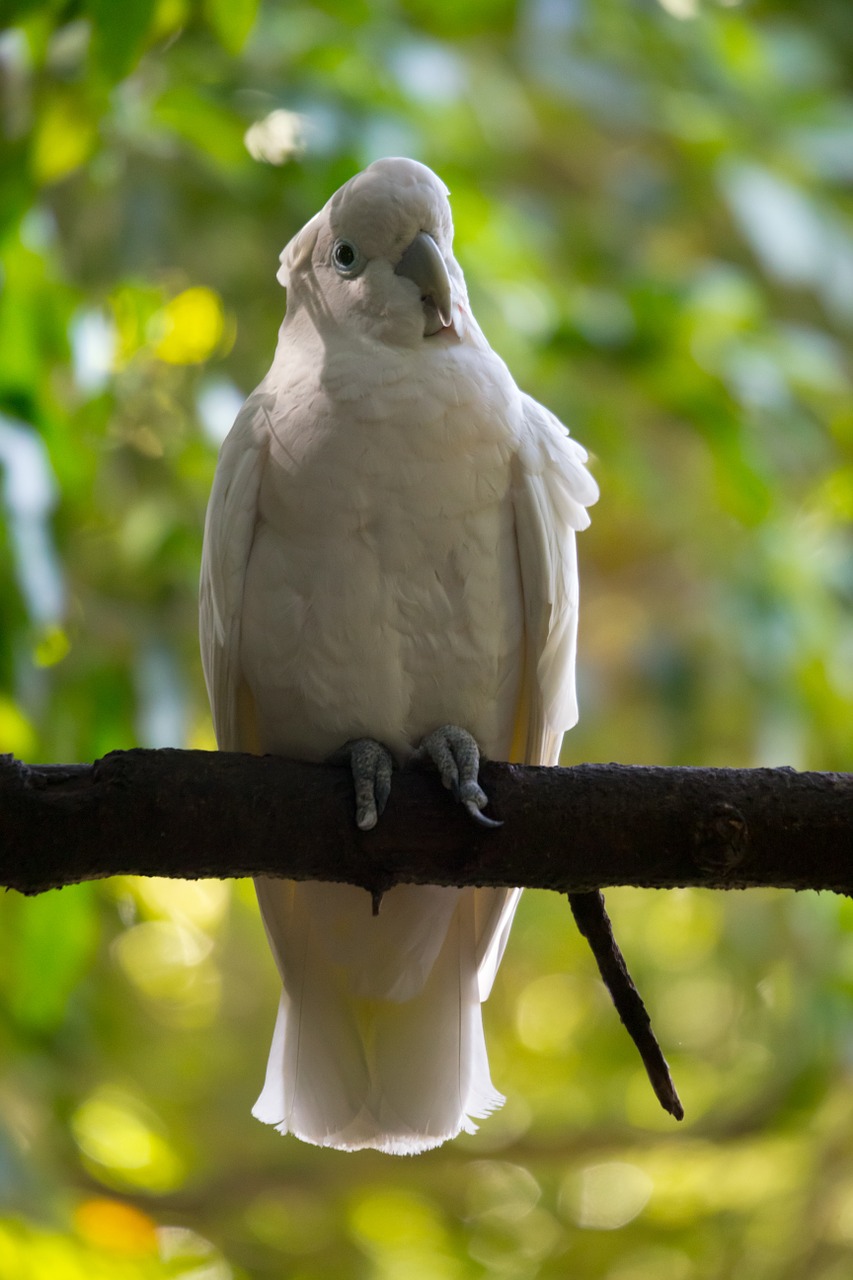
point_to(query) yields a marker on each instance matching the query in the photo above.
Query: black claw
(455, 754)
(383, 791)
(479, 816)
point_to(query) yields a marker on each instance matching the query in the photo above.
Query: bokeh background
(654, 209)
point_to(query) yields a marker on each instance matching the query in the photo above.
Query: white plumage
(389, 547)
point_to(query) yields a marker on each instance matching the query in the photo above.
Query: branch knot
(721, 839)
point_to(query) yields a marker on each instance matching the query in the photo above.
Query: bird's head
(379, 257)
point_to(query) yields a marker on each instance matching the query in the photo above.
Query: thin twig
(594, 923)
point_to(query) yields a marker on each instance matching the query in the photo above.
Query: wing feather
(228, 534)
(551, 491)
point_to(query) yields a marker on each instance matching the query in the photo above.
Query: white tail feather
(379, 1036)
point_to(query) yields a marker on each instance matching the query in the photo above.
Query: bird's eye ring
(345, 257)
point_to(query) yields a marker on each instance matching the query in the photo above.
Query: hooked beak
(423, 263)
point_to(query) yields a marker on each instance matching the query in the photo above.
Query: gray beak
(423, 263)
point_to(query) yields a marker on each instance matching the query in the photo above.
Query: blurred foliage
(654, 208)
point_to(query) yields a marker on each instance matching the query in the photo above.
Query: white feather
(389, 547)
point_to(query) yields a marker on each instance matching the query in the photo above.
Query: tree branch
(577, 830)
(196, 813)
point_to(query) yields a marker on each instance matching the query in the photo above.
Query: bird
(389, 572)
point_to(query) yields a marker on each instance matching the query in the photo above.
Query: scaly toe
(470, 792)
(371, 765)
(455, 754)
(438, 749)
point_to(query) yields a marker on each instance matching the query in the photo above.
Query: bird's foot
(371, 765)
(456, 755)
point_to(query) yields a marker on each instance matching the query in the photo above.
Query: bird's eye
(345, 257)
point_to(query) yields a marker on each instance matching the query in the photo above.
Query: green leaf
(47, 945)
(119, 30)
(232, 21)
(208, 127)
(64, 138)
(15, 10)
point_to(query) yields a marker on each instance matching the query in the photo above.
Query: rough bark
(195, 814)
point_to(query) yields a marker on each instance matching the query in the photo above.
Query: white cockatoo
(389, 564)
